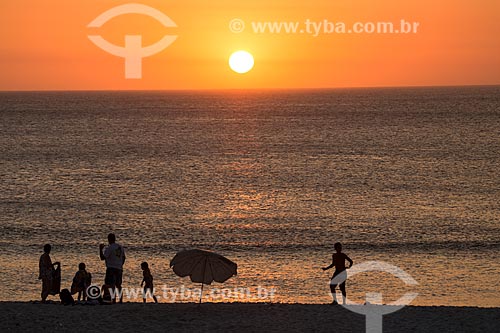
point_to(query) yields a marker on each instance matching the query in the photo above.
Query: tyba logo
(373, 309)
(133, 51)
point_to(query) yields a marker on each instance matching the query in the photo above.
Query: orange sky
(44, 45)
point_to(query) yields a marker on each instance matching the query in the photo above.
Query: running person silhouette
(338, 260)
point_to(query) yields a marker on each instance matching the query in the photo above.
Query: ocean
(269, 179)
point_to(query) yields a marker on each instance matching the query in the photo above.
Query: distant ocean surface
(270, 179)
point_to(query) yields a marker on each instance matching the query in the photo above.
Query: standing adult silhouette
(114, 257)
(338, 261)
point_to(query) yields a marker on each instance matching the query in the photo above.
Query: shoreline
(247, 317)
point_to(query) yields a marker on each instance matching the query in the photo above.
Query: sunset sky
(44, 45)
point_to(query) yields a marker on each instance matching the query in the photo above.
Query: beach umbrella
(203, 267)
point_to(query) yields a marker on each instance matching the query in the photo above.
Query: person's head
(81, 266)
(144, 265)
(111, 238)
(47, 248)
(338, 247)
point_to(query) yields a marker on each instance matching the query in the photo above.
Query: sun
(241, 62)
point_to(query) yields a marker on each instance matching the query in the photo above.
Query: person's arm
(349, 260)
(331, 265)
(52, 266)
(101, 254)
(123, 251)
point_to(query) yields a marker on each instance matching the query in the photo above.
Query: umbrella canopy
(203, 266)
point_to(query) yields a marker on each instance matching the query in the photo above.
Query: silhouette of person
(147, 281)
(81, 282)
(46, 271)
(338, 261)
(114, 257)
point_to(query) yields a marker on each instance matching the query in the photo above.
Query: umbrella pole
(204, 270)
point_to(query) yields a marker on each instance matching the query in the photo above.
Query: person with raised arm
(338, 261)
(114, 257)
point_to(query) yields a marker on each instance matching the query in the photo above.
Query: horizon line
(249, 89)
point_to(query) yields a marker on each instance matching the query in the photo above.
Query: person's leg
(118, 281)
(344, 294)
(152, 290)
(144, 295)
(340, 279)
(79, 295)
(45, 288)
(334, 292)
(110, 280)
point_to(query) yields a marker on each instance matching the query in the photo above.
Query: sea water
(269, 179)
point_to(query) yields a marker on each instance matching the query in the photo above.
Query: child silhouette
(148, 282)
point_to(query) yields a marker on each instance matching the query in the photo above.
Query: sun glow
(241, 62)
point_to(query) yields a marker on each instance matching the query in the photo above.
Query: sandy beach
(131, 317)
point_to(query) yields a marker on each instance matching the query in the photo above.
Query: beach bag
(55, 281)
(66, 298)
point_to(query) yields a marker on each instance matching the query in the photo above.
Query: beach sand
(132, 317)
